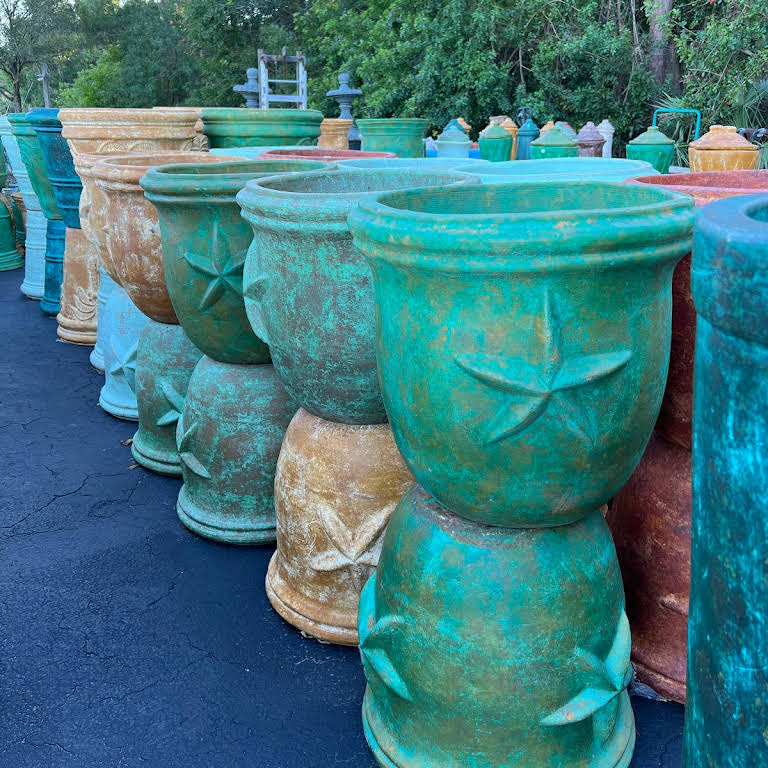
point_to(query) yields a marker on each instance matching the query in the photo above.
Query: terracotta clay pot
(334, 133)
(322, 155)
(78, 313)
(722, 149)
(335, 488)
(244, 127)
(200, 142)
(651, 516)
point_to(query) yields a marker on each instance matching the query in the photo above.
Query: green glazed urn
(562, 169)
(243, 127)
(496, 144)
(403, 136)
(204, 243)
(554, 143)
(526, 133)
(654, 147)
(308, 289)
(541, 343)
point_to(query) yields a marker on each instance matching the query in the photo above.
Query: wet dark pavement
(127, 641)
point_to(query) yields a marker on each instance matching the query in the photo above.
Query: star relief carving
(222, 267)
(188, 459)
(176, 403)
(124, 363)
(544, 389)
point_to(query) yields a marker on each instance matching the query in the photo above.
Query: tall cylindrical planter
(334, 133)
(726, 710)
(527, 133)
(33, 284)
(244, 127)
(403, 136)
(522, 369)
(650, 517)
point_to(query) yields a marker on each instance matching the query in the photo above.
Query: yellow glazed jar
(722, 149)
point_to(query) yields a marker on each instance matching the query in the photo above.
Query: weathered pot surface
(308, 291)
(403, 136)
(244, 127)
(334, 133)
(323, 155)
(560, 169)
(78, 313)
(722, 149)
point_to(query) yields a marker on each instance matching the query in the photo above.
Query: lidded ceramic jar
(404, 136)
(453, 142)
(554, 143)
(308, 292)
(654, 147)
(495, 144)
(320, 155)
(722, 149)
(526, 133)
(565, 129)
(549, 124)
(590, 141)
(559, 169)
(245, 127)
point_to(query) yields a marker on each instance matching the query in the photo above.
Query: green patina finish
(403, 136)
(308, 289)
(205, 242)
(524, 319)
(243, 127)
(487, 647)
(165, 359)
(726, 714)
(496, 144)
(229, 438)
(654, 147)
(554, 143)
(34, 162)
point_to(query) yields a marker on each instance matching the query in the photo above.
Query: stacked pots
(236, 409)
(308, 295)
(35, 225)
(32, 156)
(243, 127)
(651, 516)
(77, 315)
(521, 353)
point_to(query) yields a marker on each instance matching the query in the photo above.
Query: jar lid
(453, 135)
(566, 129)
(458, 122)
(652, 136)
(528, 128)
(722, 137)
(547, 126)
(554, 137)
(590, 135)
(510, 126)
(494, 131)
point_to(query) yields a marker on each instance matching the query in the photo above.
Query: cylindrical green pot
(308, 289)
(653, 147)
(490, 647)
(496, 144)
(523, 338)
(243, 127)
(559, 169)
(229, 438)
(165, 359)
(204, 242)
(553, 143)
(403, 136)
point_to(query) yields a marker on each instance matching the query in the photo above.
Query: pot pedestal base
(77, 316)
(106, 284)
(50, 304)
(165, 359)
(229, 438)
(33, 284)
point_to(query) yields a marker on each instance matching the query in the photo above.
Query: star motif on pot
(188, 459)
(545, 389)
(605, 679)
(222, 268)
(124, 363)
(176, 402)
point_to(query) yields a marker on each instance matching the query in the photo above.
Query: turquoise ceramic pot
(495, 646)
(165, 359)
(229, 438)
(414, 163)
(106, 284)
(204, 243)
(308, 290)
(123, 324)
(10, 258)
(560, 169)
(55, 234)
(726, 706)
(242, 127)
(403, 136)
(523, 338)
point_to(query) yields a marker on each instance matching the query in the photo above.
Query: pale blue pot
(560, 169)
(106, 284)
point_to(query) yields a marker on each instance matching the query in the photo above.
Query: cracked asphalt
(126, 641)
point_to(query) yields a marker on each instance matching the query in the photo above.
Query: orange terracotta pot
(334, 133)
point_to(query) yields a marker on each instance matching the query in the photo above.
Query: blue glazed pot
(560, 169)
(726, 705)
(54, 266)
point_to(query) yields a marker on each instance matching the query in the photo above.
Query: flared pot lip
(129, 168)
(654, 227)
(44, 118)
(105, 124)
(705, 186)
(415, 163)
(266, 197)
(564, 168)
(318, 153)
(224, 178)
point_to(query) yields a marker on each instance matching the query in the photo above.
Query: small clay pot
(334, 133)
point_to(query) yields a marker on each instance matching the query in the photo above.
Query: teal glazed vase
(495, 646)
(123, 324)
(403, 136)
(229, 438)
(65, 183)
(496, 144)
(527, 347)
(243, 127)
(106, 284)
(55, 235)
(653, 147)
(165, 359)
(560, 169)
(726, 707)
(308, 290)
(553, 143)
(204, 244)
(526, 133)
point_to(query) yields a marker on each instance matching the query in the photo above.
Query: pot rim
(316, 153)
(597, 165)
(126, 169)
(685, 182)
(250, 114)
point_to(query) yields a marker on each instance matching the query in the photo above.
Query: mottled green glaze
(523, 337)
(554, 143)
(165, 359)
(496, 144)
(653, 147)
(403, 136)
(487, 647)
(243, 127)
(34, 162)
(308, 289)
(229, 438)
(10, 258)
(205, 241)
(726, 714)
(560, 169)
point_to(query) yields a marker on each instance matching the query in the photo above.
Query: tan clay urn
(200, 142)
(722, 149)
(333, 133)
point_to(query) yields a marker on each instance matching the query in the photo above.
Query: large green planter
(204, 245)
(653, 147)
(726, 705)
(243, 127)
(553, 143)
(308, 290)
(559, 169)
(403, 136)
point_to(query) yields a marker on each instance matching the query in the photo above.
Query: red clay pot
(321, 154)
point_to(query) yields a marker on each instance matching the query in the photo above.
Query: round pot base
(164, 463)
(118, 410)
(75, 335)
